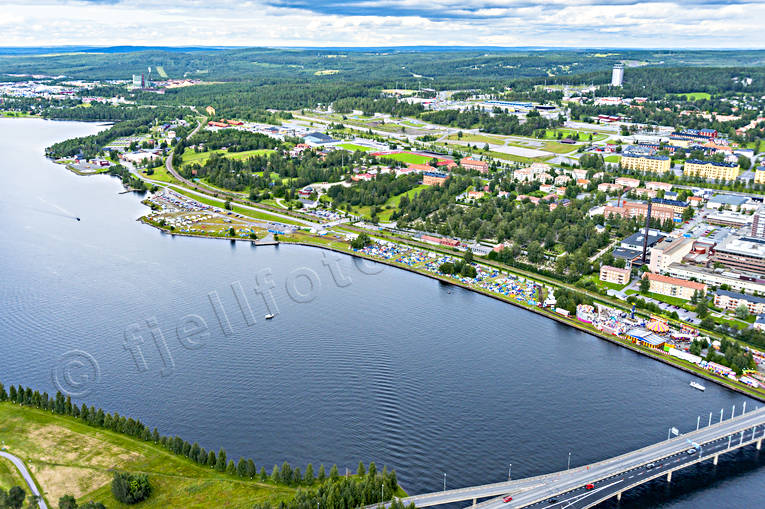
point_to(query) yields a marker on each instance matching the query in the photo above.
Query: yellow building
(710, 169)
(653, 164)
(673, 287)
(759, 175)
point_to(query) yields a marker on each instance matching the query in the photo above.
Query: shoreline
(539, 311)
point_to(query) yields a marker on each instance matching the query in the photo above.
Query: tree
(701, 308)
(263, 474)
(93, 505)
(333, 474)
(361, 471)
(742, 311)
(322, 474)
(67, 502)
(275, 477)
(286, 473)
(645, 285)
(211, 460)
(220, 463)
(130, 488)
(251, 470)
(309, 476)
(241, 468)
(231, 467)
(15, 497)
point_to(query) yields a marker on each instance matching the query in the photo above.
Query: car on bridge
(589, 486)
(650, 466)
(507, 499)
(552, 500)
(690, 451)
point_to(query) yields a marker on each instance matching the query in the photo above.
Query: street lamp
(444, 481)
(509, 471)
(569, 461)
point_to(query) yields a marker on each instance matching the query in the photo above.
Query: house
(673, 287)
(627, 182)
(614, 275)
(606, 187)
(472, 164)
(659, 186)
(475, 195)
(562, 180)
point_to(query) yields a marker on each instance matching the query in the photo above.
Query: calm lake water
(376, 365)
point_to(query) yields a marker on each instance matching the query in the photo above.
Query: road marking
(577, 498)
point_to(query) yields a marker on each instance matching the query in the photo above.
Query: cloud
(578, 23)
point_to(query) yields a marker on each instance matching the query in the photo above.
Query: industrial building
(744, 253)
(667, 252)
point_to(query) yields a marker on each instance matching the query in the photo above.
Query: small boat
(77, 218)
(269, 316)
(698, 386)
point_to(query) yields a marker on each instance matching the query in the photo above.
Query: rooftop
(660, 278)
(729, 199)
(736, 295)
(746, 246)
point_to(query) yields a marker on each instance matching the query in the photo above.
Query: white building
(617, 75)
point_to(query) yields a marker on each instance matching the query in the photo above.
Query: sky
(574, 23)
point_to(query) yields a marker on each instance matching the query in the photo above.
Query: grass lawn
(10, 476)
(663, 298)
(161, 174)
(552, 134)
(67, 456)
(604, 284)
(189, 156)
(411, 124)
(695, 96)
(612, 159)
(477, 138)
(354, 147)
(407, 157)
(392, 204)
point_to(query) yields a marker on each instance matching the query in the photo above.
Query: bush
(130, 488)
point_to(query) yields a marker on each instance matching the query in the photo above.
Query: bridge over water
(588, 485)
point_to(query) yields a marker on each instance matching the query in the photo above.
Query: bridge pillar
(715, 460)
(619, 496)
(669, 477)
(474, 501)
(759, 444)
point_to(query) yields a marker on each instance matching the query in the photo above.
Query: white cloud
(445, 22)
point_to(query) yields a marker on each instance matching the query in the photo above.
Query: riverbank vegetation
(72, 450)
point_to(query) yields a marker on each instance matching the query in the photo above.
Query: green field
(552, 134)
(477, 138)
(612, 159)
(67, 456)
(161, 174)
(354, 147)
(409, 158)
(10, 476)
(695, 96)
(391, 204)
(189, 156)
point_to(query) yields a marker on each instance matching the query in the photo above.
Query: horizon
(625, 24)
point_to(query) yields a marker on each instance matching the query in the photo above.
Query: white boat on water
(269, 316)
(698, 386)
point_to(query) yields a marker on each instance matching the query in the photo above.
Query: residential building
(710, 169)
(676, 205)
(422, 168)
(614, 275)
(627, 182)
(673, 287)
(717, 278)
(659, 186)
(609, 188)
(562, 180)
(434, 179)
(632, 209)
(667, 252)
(743, 253)
(729, 301)
(473, 164)
(728, 218)
(759, 323)
(758, 223)
(759, 175)
(695, 201)
(646, 163)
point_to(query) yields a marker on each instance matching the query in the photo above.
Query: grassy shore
(67, 456)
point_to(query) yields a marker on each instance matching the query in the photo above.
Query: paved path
(27, 477)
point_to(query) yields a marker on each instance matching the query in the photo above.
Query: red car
(589, 486)
(507, 499)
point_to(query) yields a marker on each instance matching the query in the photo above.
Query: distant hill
(43, 50)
